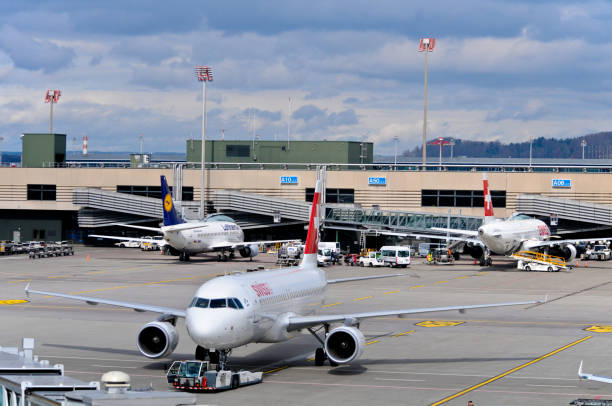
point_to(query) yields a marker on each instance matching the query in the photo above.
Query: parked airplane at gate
(218, 233)
(268, 306)
(508, 236)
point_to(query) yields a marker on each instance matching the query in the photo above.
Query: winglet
(27, 289)
(580, 375)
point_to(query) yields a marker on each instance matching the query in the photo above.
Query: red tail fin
(488, 203)
(312, 240)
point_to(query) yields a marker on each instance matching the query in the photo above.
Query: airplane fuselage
(505, 237)
(268, 299)
(204, 238)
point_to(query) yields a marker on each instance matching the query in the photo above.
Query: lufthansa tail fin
(488, 202)
(312, 240)
(171, 217)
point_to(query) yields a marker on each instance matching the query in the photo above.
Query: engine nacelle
(475, 251)
(344, 344)
(567, 252)
(157, 339)
(249, 251)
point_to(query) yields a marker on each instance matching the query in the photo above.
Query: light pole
(427, 46)
(452, 145)
(1, 139)
(583, 144)
(204, 74)
(141, 141)
(289, 125)
(51, 98)
(440, 141)
(530, 149)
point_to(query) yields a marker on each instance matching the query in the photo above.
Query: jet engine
(475, 251)
(344, 344)
(157, 339)
(567, 252)
(249, 251)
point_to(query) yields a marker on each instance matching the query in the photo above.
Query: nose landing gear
(218, 357)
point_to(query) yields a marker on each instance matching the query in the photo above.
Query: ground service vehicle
(372, 259)
(599, 252)
(128, 244)
(395, 255)
(198, 375)
(536, 266)
(324, 257)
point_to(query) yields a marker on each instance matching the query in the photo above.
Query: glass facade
(460, 198)
(41, 192)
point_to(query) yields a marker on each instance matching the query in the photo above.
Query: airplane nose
(201, 328)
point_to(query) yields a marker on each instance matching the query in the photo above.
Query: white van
(394, 255)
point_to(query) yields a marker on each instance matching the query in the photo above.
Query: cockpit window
(219, 217)
(234, 303)
(519, 216)
(199, 302)
(218, 303)
(204, 303)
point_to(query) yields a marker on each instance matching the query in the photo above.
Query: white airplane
(518, 232)
(218, 233)
(591, 377)
(268, 306)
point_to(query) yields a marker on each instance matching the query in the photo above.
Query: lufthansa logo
(168, 202)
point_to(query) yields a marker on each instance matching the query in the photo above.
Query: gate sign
(564, 183)
(377, 181)
(289, 180)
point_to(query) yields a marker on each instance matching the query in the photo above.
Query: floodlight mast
(426, 45)
(51, 98)
(204, 74)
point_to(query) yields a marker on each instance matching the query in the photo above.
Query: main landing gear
(224, 256)
(184, 256)
(320, 355)
(485, 259)
(218, 357)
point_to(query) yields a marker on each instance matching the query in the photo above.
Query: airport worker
(470, 403)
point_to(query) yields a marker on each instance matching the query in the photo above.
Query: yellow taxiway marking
(332, 304)
(598, 328)
(313, 304)
(276, 369)
(462, 277)
(13, 301)
(59, 276)
(482, 273)
(439, 282)
(362, 298)
(372, 342)
(439, 323)
(403, 334)
(495, 378)
(310, 359)
(20, 280)
(391, 292)
(417, 286)
(94, 272)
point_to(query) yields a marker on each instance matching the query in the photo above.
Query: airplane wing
(238, 245)
(94, 301)
(443, 237)
(300, 322)
(562, 242)
(456, 231)
(591, 377)
(363, 278)
(112, 237)
(156, 229)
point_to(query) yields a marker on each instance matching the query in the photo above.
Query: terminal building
(265, 186)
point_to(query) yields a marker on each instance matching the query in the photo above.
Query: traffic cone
(586, 264)
(577, 263)
(475, 262)
(88, 257)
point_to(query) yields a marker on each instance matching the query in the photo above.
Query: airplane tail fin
(488, 202)
(580, 375)
(312, 240)
(171, 217)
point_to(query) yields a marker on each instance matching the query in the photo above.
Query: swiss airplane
(218, 233)
(268, 306)
(518, 232)
(591, 377)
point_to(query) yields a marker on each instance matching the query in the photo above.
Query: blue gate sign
(565, 183)
(289, 180)
(377, 181)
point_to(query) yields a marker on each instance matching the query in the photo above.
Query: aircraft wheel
(319, 357)
(224, 258)
(219, 257)
(489, 261)
(201, 353)
(232, 255)
(482, 262)
(235, 382)
(186, 257)
(527, 268)
(214, 357)
(550, 269)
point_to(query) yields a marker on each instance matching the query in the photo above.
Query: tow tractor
(199, 376)
(538, 261)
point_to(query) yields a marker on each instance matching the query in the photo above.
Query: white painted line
(553, 386)
(112, 366)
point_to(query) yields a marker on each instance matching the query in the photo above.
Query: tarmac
(523, 355)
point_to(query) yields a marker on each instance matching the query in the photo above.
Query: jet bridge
(582, 212)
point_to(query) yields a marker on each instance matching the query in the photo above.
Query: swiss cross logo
(262, 289)
(543, 230)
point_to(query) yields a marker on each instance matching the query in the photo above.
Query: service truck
(372, 259)
(199, 376)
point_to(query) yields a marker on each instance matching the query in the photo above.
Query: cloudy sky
(500, 70)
